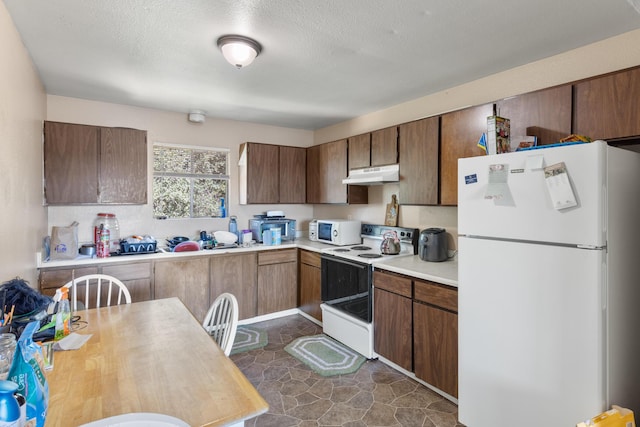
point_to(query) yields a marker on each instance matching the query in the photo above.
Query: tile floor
(376, 395)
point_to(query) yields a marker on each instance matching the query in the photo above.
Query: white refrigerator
(549, 293)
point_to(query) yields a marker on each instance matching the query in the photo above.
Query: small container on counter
(266, 237)
(247, 237)
(276, 236)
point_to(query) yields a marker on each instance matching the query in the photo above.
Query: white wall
(606, 56)
(162, 126)
(22, 110)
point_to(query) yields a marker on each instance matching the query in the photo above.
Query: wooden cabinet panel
(435, 341)
(359, 151)
(418, 158)
(326, 168)
(123, 166)
(51, 279)
(436, 294)
(393, 283)
(277, 281)
(277, 287)
(392, 327)
(262, 173)
(545, 114)
(236, 274)
(136, 277)
(309, 290)
(94, 165)
(293, 176)
(277, 256)
(71, 163)
(384, 146)
(459, 138)
(607, 107)
(187, 279)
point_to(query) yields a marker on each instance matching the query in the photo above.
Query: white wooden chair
(98, 290)
(221, 321)
(138, 419)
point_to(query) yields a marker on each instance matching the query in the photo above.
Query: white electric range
(347, 284)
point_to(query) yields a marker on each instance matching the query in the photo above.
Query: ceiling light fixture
(239, 51)
(196, 116)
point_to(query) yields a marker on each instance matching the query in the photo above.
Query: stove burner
(360, 248)
(370, 255)
(341, 250)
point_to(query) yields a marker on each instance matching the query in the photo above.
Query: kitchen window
(189, 182)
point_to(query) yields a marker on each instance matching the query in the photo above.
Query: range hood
(376, 175)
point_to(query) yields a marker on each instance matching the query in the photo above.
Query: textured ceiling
(322, 62)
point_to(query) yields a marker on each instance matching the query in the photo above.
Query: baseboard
(413, 377)
(269, 316)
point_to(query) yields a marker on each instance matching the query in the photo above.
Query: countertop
(442, 272)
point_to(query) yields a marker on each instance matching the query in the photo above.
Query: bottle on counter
(9, 407)
(223, 209)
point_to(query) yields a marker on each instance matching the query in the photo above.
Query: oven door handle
(344, 261)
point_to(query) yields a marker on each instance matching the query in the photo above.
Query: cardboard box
(498, 135)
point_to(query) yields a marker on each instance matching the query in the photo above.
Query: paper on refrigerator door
(559, 186)
(498, 187)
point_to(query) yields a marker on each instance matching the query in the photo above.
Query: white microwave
(338, 231)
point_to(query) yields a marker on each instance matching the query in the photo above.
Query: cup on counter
(247, 236)
(276, 236)
(266, 237)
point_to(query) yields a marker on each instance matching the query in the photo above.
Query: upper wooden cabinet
(418, 158)
(607, 107)
(545, 114)
(377, 148)
(359, 151)
(94, 165)
(460, 133)
(326, 168)
(384, 146)
(272, 174)
(293, 174)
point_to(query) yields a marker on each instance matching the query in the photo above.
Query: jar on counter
(7, 350)
(109, 223)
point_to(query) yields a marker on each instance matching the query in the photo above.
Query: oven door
(346, 285)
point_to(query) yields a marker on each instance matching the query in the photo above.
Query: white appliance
(347, 285)
(339, 232)
(548, 298)
(375, 175)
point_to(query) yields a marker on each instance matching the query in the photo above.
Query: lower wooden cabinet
(277, 280)
(309, 287)
(416, 327)
(392, 326)
(435, 335)
(137, 277)
(187, 279)
(236, 274)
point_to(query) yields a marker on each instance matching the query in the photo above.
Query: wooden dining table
(151, 356)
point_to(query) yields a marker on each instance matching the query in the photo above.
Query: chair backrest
(138, 419)
(221, 321)
(97, 290)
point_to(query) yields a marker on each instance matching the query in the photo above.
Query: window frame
(191, 177)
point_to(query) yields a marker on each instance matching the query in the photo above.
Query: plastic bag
(64, 242)
(27, 370)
